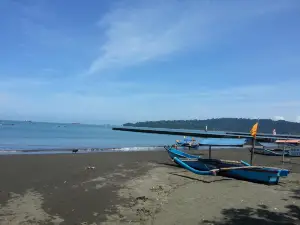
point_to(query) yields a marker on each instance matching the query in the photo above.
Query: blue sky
(118, 61)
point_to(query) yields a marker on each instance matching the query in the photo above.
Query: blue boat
(277, 152)
(234, 169)
(179, 154)
(270, 152)
(187, 142)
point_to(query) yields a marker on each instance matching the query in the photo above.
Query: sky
(115, 61)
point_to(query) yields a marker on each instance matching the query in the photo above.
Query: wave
(133, 149)
(90, 150)
(8, 151)
(78, 150)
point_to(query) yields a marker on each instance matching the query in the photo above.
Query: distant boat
(285, 147)
(278, 152)
(187, 142)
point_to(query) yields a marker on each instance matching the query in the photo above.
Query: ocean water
(39, 138)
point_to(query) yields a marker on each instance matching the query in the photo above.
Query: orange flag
(253, 131)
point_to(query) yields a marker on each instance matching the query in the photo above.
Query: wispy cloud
(143, 31)
(71, 105)
(47, 86)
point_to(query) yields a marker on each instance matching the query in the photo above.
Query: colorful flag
(254, 129)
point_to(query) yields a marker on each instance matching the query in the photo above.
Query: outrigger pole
(252, 151)
(283, 152)
(253, 133)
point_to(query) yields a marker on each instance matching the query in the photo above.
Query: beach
(140, 188)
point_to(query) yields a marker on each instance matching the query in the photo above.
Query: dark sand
(140, 188)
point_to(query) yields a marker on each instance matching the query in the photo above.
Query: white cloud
(298, 119)
(276, 118)
(141, 31)
(118, 102)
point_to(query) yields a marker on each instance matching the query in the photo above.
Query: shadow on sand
(222, 178)
(296, 195)
(201, 180)
(170, 164)
(260, 216)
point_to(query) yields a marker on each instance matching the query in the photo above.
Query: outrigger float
(234, 169)
(288, 148)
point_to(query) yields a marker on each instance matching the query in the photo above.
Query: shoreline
(100, 150)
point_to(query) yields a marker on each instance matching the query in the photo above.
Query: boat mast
(253, 133)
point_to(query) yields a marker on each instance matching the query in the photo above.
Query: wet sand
(140, 188)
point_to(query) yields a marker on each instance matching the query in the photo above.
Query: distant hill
(224, 124)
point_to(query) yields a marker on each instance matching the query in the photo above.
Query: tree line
(224, 124)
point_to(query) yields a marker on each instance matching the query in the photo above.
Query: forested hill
(224, 124)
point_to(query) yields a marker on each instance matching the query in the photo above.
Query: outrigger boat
(234, 169)
(285, 148)
(278, 152)
(270, 152)
(187, 142)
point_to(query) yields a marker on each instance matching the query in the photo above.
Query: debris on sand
(90, 168)
(143, 212)
(142, 198)
(157, 188)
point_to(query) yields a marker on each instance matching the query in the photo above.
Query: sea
(26, 137)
